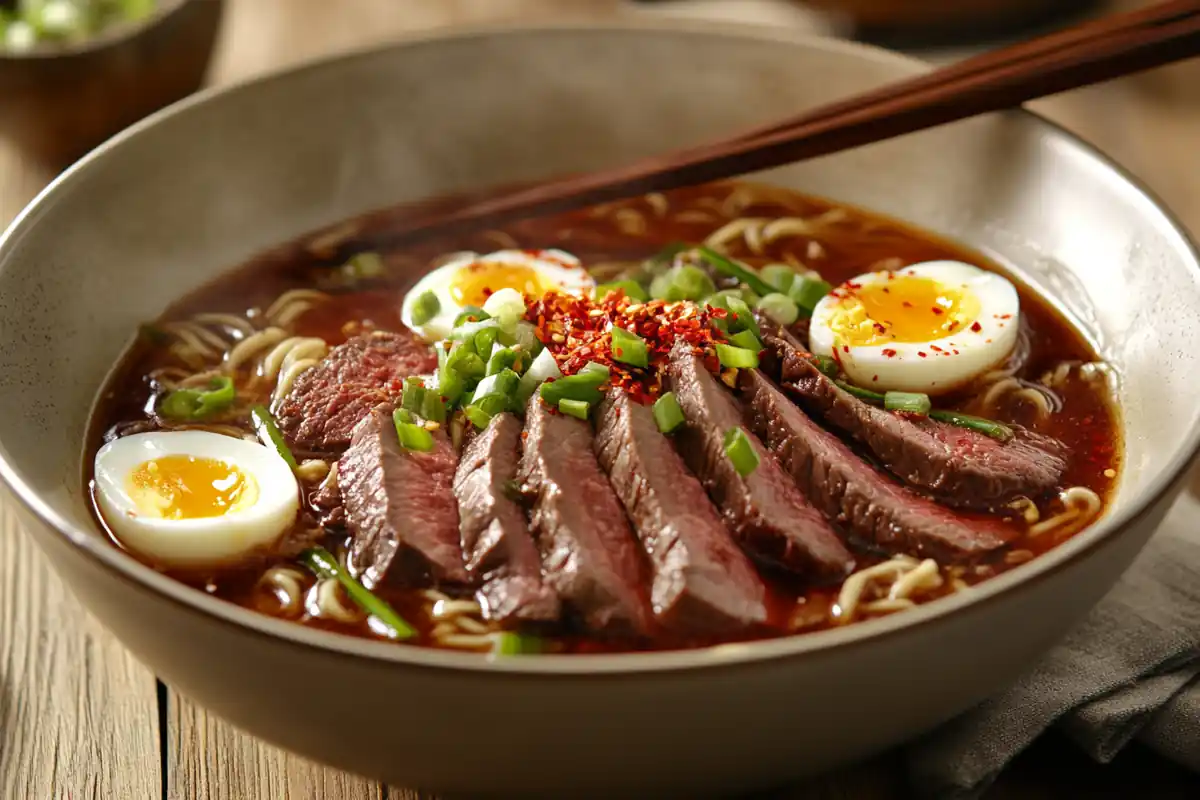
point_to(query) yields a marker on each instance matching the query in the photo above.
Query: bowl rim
(112, 36)
(617, 665)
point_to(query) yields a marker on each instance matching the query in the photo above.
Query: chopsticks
(1107, 48)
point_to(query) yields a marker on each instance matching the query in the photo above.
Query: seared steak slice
(767, 514)
(589, 555)
(702, 581)
(327, 401)
(868, 504)
(400, 506)
(498, 547)
(960, 467)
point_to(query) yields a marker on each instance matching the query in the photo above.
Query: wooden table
(80, 717)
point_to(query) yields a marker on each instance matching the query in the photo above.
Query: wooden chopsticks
(1110, 47)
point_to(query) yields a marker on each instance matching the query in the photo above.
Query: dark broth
(844, 242)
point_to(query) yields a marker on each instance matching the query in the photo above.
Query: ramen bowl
(169, 204)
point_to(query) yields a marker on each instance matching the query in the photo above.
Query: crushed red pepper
(578, 330)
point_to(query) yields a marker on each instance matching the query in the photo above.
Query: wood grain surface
(80, 718)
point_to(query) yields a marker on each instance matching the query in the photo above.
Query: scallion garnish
(747, 340)
(583, 386)
(269, 435)
(996, 430)
(470, 314)
(780, 308)
(433, 408)
(543, 368)
(484, 340)
(324, 565)
(197, 404)
(507, 306)
(727, 266)
(807, 292)
(364, 266)
(478, 416)
(466, 363)
(413, 396)
(596, 372)
(504, 358)
(909, 402)
(732, 357)
(689, 283)
(425, 308)
(503, 384)
(740, 452)
(743, 318)
(629, 348)
(510, 643)
(575, 408)
(781, 276)
(862, 394)
(827, 366)
(632, 289)
(412, 436)
(667, 413)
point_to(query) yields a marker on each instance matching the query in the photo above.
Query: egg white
(197, 542)
(939, 365)
(556, 267)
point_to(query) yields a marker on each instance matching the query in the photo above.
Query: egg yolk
(186, 487)
(904, 308)
(475, 283)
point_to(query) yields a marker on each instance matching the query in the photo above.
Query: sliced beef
(327, 401)
(959, 467)
(702, 581)
(767, 514)
(499, 550)
(589, 554)
(867, 503)
(400, 506)
(326, 501)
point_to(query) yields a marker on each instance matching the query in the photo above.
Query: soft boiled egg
(470, 279)
(192, 499)
(929, 328)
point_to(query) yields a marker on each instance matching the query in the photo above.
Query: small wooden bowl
(57, 103)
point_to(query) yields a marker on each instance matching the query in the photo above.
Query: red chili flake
(975, 326)
(886, 290)
(880, 328)
(921, 353)
(874, 377)
(952, 326)
(937, 311)
(906, 304)
(987, 341)
(845, 348)
(936, 349)
(955, 352)
(852, 285)
(488, 291)
(1006, 316)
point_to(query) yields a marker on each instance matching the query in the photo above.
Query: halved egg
(192, 498)
(470, 279)
(930, 328)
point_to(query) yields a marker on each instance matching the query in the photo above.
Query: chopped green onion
(746, 340)
(727, 266)
(413, 396)
(827, 366)
(543, 368)
(451, 385)
(470, 314)
(269, 435)
(582, 386)
(996, 430)
(425, 308)
(598, 372)
(504, 358)
(484, 341)
(807, 292)
(629, 348)
(667, 413)
(325, 566)
(737, 357)
(781, 276)
(466, 331)
(364, 266)
(780, 308)
(412, 436)
(509, 643)
(662, 286)
(740, 452)
(689, 283)
(743, 318)
(503, 384)
(196, 404)
(523, 334)
(860, 393)
(575, 408)
(910, 402)
(478, 416)
(466, 362)
(507, 306)
(632, 289)
(433, 408)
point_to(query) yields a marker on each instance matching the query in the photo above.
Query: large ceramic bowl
(184, 195)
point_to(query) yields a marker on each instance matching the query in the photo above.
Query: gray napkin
(1130, 670)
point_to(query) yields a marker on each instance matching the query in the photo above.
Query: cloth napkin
(1130, 671)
